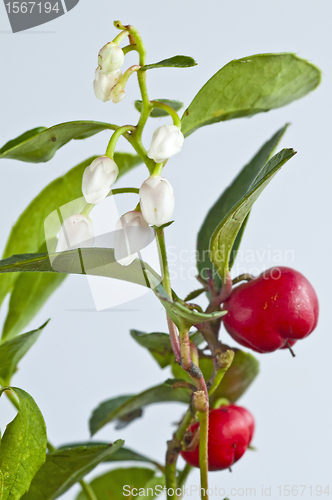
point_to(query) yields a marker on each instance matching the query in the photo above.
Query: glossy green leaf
(236, 381)
(28, 235)
(41, 144)
(223, 238)
(251, 85)
(120, 483)
(121, 455)
(96, 262)
(194, 294)
(157, 113)
(12, 351)
(172, 62)
(122, 407)
(180, 314)
(65, 467)
(23, 447)
(158, 345)
(225, 203)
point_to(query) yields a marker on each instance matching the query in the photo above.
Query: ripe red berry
(230, 432)
(278, 307)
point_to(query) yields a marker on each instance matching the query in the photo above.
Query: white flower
(103, 84)
(131, 236)
(157, 200)
(98, 178)
(110, 58)
(75, 232)
(166, 142)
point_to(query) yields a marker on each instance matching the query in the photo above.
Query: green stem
(174, 338)
(168, 109)
(184, 425)
(88, 491)
(203, 452)
(115, 137)
(170, 477)
(140, 150)
(129, 48)
(121, 36)
(223, 362)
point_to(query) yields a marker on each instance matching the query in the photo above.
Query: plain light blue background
(84, 357)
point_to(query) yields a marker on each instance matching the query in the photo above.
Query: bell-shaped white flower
(75, 232)
(132, 235)
(157, 200)
(110, 58)
(167, 141)
(98, 179)
(103, 84)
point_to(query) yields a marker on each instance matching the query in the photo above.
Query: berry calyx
(272, 311)
(230, 432)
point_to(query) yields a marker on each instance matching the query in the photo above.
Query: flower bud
(157, 200)
(118, 93)
(110, 58)
(131, 236)
(166, 142)
(75, 232)
(98, 178)
(103, 84)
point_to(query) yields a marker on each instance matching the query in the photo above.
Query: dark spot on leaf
(54, 139)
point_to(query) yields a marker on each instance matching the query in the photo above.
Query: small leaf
(40, 144)
(12, 351)
(236, 381)
(121, 455)
(23, 447)
(223, 238)
(227, 200)
(120, 407)
(96, 262)
(65, 467)
(180, 314)
(251, 85)
(157, 113)
(119, 483)
(172, 62)
(28, 235)
(194, 294)
(158, 345)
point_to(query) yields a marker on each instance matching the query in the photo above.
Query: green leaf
(194, 294)
(23, 447)
(41, 144)
(223, 238)
(172, 62)
(28, 235)
(119, 483)
(251, 85)
(181, 315)
(65, 467)
(89, 261)
(158, 345)
(122, 407)
(157, 113)
(121, 455)
(12, 351)
(236, 381)
(242, 372)
(225, 203)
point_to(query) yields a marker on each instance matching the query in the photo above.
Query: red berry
(230, 432)
(279, 306)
